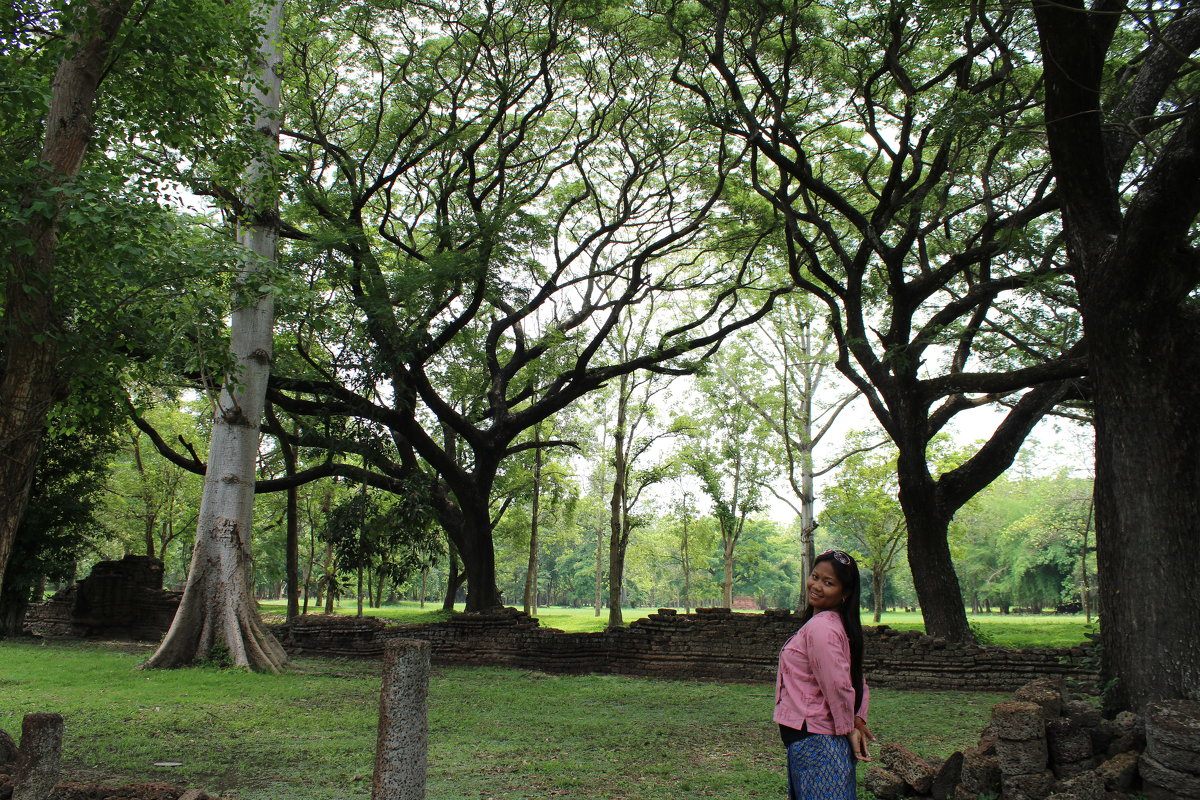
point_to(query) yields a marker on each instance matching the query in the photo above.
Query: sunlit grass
(1005, 630)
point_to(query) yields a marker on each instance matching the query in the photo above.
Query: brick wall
(713, 644)
(119, 598)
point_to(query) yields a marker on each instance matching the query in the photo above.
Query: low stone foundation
(711, 644)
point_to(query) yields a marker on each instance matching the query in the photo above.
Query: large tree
(1123, 126)
(511, 192)
(891, 145)
(29, 383)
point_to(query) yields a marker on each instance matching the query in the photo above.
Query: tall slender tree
(217, 609)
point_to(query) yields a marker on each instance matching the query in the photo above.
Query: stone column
(1170, 766)
(400, 753)
(38, 759)
(1021, 750)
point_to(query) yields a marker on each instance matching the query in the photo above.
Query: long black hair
(846, 569)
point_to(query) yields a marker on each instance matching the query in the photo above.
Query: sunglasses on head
(842, 558)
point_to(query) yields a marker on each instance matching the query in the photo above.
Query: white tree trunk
(218, 609)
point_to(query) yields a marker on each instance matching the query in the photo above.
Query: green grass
(1005, 630)
(1008, 630)
(494, 733)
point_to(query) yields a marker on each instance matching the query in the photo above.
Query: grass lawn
(1005, 630)
(494, 733)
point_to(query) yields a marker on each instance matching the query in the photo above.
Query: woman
(820, 696)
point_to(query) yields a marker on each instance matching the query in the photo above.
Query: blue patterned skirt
(820, 767)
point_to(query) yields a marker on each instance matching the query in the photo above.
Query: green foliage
(60, 523)
(218, 657)
(388, 534)
(982, 635)
(1021, 542)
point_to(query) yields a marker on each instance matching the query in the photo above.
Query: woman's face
(825, 590)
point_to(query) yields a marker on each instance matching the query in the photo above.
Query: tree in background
(150, 496)
(767, 568)
(784, 371)
(725, 455)
(1022, 542)
(683, 513)
(61, 522)
(385, 536)
(861, 507)
(636, 467)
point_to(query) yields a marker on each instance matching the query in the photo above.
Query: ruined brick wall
(713, 644)
(119, 598)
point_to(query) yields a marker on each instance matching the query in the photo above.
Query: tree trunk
(618, 526)
(531, 572)
(598, 601)
(808, 527)
(292, 541)
(1147, 503)
(934, 578)
(687, 585)
(293, 544)
(29, 384)
(478, 555)
(1136, 265)
(1085, 593)
(454, 580)
(877, 590)
(808, 492)
(218, 608)
(465, 515)
(727, 582)
(330, 580)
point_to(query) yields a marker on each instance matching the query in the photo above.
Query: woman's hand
(858, 740)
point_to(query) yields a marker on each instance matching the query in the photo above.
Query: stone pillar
(400, 753)
(1021, 750)
(1170, 766)
(39, 756)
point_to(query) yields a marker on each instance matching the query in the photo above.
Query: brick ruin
(711, 644)
(120, 599)
(1046, 745)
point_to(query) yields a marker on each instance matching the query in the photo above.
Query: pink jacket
(813, 685)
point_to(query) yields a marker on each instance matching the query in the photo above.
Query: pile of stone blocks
(1044, 745)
